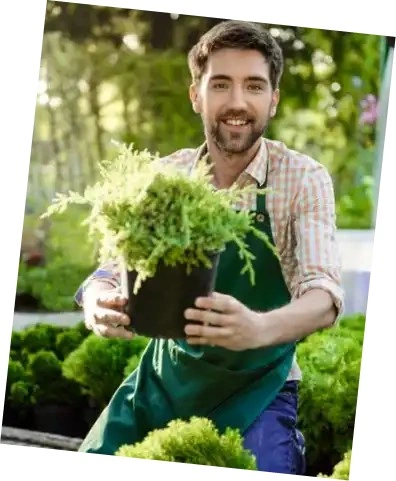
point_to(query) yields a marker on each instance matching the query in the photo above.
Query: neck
(228, 167)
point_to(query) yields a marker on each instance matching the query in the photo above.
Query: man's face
(235, 99)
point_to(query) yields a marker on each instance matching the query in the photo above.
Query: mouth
(235, 123)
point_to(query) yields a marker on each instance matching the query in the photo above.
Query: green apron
(176, 380)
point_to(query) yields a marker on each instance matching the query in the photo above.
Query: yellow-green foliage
(196, 441)
(146, 210)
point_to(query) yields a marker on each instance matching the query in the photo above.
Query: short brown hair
(239, 35)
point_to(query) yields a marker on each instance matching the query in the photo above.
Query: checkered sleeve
(317, 252)
(107, 272)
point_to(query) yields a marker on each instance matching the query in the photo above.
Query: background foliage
(110, 73)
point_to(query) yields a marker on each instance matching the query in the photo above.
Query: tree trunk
(93, 96)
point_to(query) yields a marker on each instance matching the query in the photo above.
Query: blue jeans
(274, 439)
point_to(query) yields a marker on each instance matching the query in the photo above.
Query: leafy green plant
(97, 365)
(53, 285)
(16, 340)
(352, 326)
(67, 342)
(330, 362)
(81, 328)
(196, 441)
(16, 346)
(45, 367)
(51, 387)
(22, 396)
(145, 211)
(40, 336)
(16, 372)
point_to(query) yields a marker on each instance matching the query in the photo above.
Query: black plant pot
(157, 310)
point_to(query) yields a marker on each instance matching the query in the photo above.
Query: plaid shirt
(300, 203)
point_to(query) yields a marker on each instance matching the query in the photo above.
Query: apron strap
(261, 207)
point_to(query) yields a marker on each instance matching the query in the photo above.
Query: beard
(237, 142)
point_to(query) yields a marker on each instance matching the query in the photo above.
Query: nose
(237, 99)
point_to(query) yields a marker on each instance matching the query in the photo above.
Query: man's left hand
(226, 322)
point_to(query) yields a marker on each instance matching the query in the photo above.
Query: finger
(88, 324)
(103, 330)
(207, 317)
(218, 302)
(110, 316)
(111, 299)
(208, 332)
(203, 341)
(199, 341)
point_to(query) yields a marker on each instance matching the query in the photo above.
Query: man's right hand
(103, 313)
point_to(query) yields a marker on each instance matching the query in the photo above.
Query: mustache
(238, 114)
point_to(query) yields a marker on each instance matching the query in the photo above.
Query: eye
(256, 88)
(219, 86)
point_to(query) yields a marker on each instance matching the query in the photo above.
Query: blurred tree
(111, 73)
(117, 73)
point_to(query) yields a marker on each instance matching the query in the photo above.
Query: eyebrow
(252, 78)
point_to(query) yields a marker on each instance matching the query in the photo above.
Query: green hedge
(72, 365)
(330, 362)
(58, 368)
(53, 358)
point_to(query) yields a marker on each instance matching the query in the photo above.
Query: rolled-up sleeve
(317, 251)
(106, 272)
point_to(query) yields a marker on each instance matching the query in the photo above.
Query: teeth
(236, 122)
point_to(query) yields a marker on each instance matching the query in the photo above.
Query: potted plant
(166, 229)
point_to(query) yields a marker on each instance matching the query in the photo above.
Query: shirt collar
(256, 170)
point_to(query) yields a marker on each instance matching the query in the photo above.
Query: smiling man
(238, 365)
(235, 107)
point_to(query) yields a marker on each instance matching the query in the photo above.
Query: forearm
(313, 311)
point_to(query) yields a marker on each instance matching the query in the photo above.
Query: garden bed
(23, 437)
(60, 378)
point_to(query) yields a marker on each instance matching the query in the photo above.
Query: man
(238, 365)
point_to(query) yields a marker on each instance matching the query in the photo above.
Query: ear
(195, 98)
(274, 102)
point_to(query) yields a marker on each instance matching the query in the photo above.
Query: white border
(21, 38)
